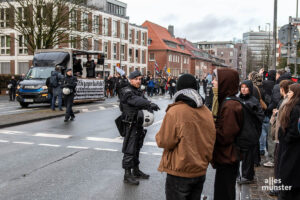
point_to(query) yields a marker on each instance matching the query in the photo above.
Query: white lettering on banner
(89, 89)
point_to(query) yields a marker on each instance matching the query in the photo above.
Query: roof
(159, 36)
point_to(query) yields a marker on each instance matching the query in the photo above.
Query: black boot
(128, 178)
(137, 173)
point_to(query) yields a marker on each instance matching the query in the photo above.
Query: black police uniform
(69, 82)
(132, 101)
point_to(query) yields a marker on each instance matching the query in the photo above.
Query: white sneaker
(269, 164)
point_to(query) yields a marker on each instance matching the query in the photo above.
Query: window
(231, 53)
(123, 27)
(136, 37)
(143, 39)
(22, 45)
(4, 17)
(115, 51)
(5, 45)
(5, 68)
(143, 56)
(136, 55)
(123, 52)
(130, 54)
(85, 44)
(115, 29)
(188, 60)
(23, 67)
(96, 45)
(130, 36)
(170, 58)
(151, 57)
(73, 19)
(105, 25)
(96, 25)
(174, 58)
(85, 22)
(105, 47)
(73, 42)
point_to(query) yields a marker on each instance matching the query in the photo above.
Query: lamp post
(274, 35)
(269, 47)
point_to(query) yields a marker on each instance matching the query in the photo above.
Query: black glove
(154, 107)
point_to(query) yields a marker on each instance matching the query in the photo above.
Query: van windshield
(39, 73)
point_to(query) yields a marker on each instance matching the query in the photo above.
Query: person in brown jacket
(228, 125)
(187, 136)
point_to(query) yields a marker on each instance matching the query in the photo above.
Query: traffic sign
(283, 34)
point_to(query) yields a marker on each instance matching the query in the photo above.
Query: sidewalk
(28, 117)
(255, 191)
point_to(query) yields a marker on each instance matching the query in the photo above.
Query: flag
(156, 67)
(169, 70)
(166, 70)
(120, 71)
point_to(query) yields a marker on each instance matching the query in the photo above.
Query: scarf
(190, 97)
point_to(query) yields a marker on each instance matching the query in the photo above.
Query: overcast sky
(210, 20)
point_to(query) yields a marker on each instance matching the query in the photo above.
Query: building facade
(101, 25)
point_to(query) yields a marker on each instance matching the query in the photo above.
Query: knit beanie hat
(186, 81)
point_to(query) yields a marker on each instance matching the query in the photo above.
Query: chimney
(171, 30)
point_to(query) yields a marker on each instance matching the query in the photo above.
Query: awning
(51, 59)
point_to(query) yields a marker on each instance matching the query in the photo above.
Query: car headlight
(45, 87)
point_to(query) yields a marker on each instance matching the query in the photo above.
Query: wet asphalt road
(79, 160)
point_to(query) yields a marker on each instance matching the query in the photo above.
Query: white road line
(85, 110)
(8, 132)
(157, 154)
(158, 122)
(101, 149)
(4, 141)
(116, 106)
(146, 153)
(77, 147)
(101, 108)
(52, 135)
(150, 144)
(49, 145)
(116, 140)
(29, 143)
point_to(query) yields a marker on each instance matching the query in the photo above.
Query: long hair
(286, 112)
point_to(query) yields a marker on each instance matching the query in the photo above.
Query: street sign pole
(289, 42)
(274, 36)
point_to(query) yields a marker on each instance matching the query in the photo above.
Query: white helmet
(66, 91)
(173, 84)
(143, 87)
(145, 118)
(9, 86)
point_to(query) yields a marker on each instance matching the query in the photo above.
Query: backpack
(250, 133)
(54, 81)
(261, 101)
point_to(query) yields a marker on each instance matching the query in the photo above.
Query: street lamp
(269, 47)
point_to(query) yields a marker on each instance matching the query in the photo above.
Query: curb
(34, 120)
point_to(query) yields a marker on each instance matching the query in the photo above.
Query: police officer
(69, 86)
(132, 101)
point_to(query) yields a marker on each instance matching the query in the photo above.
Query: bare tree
(251, 62)
(46, 23)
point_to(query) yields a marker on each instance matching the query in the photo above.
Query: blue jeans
(264, 133)
(59, 101)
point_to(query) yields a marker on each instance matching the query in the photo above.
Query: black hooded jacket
(268, 86)
(275, 98)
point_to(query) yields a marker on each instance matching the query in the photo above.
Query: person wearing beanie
(187, 135)
(132, 102)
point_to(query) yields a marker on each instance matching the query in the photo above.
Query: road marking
(49, 145)
(158, 122)
(77, 147)
(52, 135)
(29, 143)
(101, 108)
(85, 110)
(146, 153)
(4, 141)
(150, 144)
(157, 154)
(101, 149)
(8, 132)
(116, 106)
(116, 140)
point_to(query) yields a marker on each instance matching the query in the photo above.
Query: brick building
(101, 25)
(166, 50)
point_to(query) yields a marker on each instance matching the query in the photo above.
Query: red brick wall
(90, 22)
(161, 59)
(109, 50)
(119, 29)
(12, 44)
(126, 31)
(100, 45)
(118, 50)
(12, 67)
(109, 26)
(78, 20)
(133, 36)
(100, 24)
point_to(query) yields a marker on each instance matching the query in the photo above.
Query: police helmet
(173, 84)
(143, 87)
(66, 91)
(145, 118)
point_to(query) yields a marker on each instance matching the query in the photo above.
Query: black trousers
(181, 188)
(69, 104)
(225, 180)
(256, 153)
(132, 144)
(248, 164)
(290, 195)
(162, 90)
(12, 94)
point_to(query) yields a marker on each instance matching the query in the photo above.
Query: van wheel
(24, 105)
